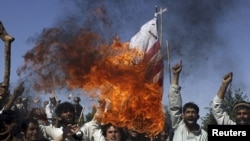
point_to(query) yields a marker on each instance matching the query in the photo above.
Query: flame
(110, 73)
(128, 99)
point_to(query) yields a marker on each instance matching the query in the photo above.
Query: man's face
(32, 132)
(113, 134)
(242, 117)
(190, 116)
(67, 117)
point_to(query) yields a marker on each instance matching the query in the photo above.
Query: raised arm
(174, 97)
(220, 115)
(176, 73)
(17, 92)
(227, 79)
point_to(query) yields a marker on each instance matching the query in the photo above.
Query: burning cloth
(133, 96)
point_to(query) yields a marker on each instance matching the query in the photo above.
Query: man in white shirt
(50, 110)
(184, 118)
(241, 108)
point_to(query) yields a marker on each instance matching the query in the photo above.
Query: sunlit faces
(113, 134)
(67, 117)
(31, 133)
(190, 116)
(242, 117)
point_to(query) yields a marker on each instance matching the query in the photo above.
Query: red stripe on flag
(154, 57)
(153, 50)
(158, 67)
(146, 40)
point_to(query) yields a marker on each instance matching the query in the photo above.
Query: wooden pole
(81, 115)
(7, 39)
(169, 66)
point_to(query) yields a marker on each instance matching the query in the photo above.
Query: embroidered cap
(242, 104)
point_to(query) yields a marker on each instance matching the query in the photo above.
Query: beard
(242, 121)
(69, 120)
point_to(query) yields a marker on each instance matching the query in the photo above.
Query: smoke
(208, 36)
(90, 24)
(193, 29)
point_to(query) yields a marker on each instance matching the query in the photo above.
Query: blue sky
(23, 20)
(211, 38)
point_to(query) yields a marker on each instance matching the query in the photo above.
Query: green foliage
(90, 115)
(228, 103)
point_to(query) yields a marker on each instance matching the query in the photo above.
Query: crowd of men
(64, 121)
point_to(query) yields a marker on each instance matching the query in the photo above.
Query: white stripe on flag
(146, 40)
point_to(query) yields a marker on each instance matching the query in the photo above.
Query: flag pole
(169, 66)
(161, 27)
(81, 115)
(156, 16)
(160, 38)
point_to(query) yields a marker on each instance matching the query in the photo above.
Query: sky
(211, 37)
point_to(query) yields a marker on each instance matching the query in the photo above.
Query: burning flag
(132, 97)
(147, 42)
(125, 77)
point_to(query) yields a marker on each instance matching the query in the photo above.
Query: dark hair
(190, 105)
(4, 134)
(77, 99)
(65, 106)
(10, 116)
(25, 123)
(105, 127)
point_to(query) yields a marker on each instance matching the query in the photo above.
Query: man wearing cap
(241, 109)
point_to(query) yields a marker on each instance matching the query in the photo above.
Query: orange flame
(128, 99)
(110, 72)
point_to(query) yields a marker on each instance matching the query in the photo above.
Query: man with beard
(90, 131)
(241, 108)
(184, 120)
(68, 130)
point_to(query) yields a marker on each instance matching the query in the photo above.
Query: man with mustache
(184, 119)
(67, 129)
(241, 108)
